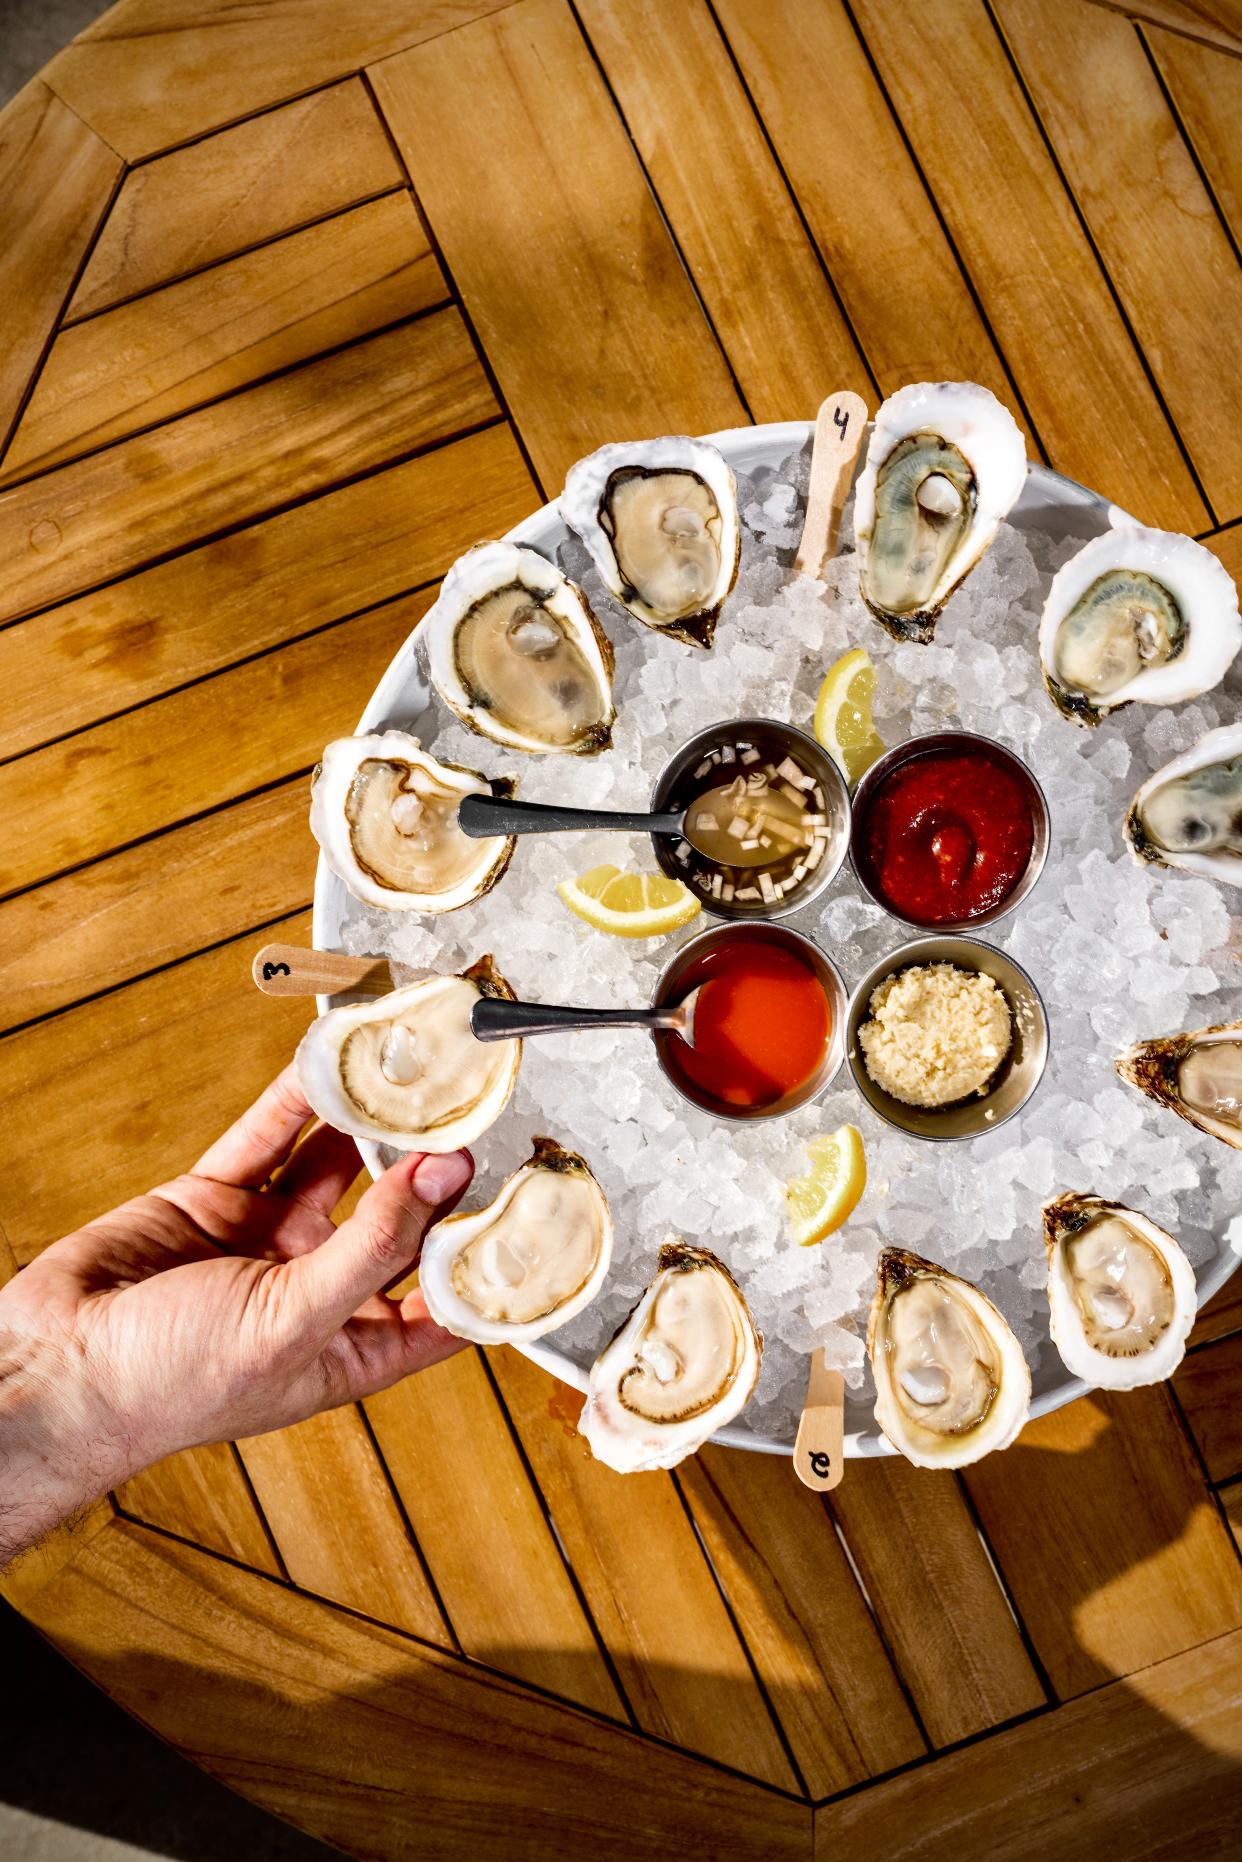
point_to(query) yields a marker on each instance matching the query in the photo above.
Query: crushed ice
(1119, 952)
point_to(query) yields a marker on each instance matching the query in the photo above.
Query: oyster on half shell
(680, 1367)
(1137, 616)
(951, 1381)
(660, 520)
(405, 1069)
(1121, 1294)
(514, 650)
(384, 812)
(1189, 814)
(528, 1262)
(945, 463)
(1198, 1075)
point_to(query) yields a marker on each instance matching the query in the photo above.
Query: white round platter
(1053, 505)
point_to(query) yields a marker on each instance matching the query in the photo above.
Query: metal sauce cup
(774, 741)
(672, 987)
(922, 746)
(1019, 1073)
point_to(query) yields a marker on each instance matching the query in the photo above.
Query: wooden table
(297, 300)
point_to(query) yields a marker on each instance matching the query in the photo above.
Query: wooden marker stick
(291, 970)
(839, 428)
(819, 1452)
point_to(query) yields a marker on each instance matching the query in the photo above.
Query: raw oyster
(1197, 1075)
(529, 1261)
(405, 1069)
(945, 463)
(384, 812)
(660, 519)
(1137, 616)
(1189, 813)
(1121, 1294)
(951, 1383)
(515, 651)
(681, 1366)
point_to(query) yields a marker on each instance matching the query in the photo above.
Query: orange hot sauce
(761, 1025)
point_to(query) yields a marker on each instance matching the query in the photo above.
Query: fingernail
(435, 1179)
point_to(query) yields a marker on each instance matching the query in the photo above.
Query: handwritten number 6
(841, 419)
(274, 969)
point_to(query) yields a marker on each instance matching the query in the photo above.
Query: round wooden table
(297, 300)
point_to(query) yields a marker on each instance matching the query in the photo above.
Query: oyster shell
(515, 651)
(1189, 813)
(945, 463)
(1198, 1075)
(660, 520)
(1121, 1294)
(528, 1262)
(405, 1069)
(384, 812)
(951, 1382)
(681, 1366)
(1137, 616)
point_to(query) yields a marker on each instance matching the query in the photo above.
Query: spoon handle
(480, 816)
(492, 1019)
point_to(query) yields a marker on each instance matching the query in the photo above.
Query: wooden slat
(259, 1685)
(1150, 214)
(861, 194)
(164, 1066)
(1206, 89)
(474, 1512)
(201, 1495)
(804, 1618)
(151, 73)
(56, 179)
(225, 464)
(648, 1587)
(1037, 278)
(1142, 1770)
(1231, 1500)
(339, 1530)
(250, 726)
(1130, 1562)
(157, 902)
(318, 562)
(1208, 1384)
(935, 1594)
(1217, 23)
(238, 189)
(1222, 1313)
(605, 313)
(222, 329)
(25, 1576)
(727, 203)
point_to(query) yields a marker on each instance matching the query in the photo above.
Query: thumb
(380, 1240)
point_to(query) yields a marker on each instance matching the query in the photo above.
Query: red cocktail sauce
(946, 836)
(761, 1025)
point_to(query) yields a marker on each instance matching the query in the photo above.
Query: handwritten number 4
(841, 419)
(274, 969)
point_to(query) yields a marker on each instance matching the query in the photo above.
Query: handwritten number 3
(821, 1463)
(841, 419)
(274, 969)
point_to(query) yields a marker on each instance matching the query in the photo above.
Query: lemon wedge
(843, 715)
(629, 904)
(820, 1203)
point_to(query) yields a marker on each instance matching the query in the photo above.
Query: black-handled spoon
(494, 1019)
(481, 816)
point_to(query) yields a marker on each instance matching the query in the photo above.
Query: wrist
(58, 1451)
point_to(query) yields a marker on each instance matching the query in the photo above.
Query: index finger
(261, 1139)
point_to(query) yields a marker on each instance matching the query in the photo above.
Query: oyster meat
(514, 650)
(660, 520)
(528, 1262)
(945, 464)
(1137, 616)
(681, 1366)
(1197, 1075)
(1121, 1294)
(951, 1382)
(1189, 813)
(384, 812)
(405, 1069)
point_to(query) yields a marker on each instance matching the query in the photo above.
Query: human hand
(212, 1308)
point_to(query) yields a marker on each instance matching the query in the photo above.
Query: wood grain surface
(297, 302)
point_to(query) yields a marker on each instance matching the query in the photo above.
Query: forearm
(55, 1455)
